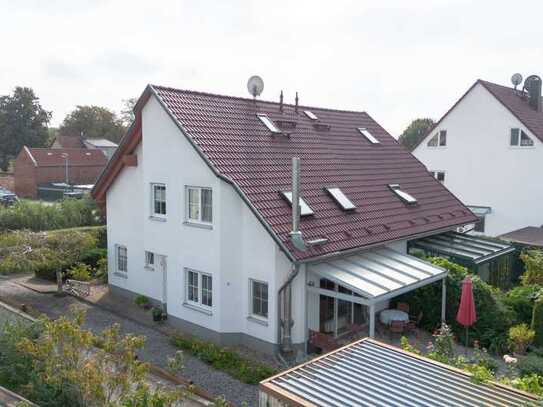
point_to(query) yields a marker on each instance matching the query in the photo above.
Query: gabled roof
(228, 135)
(52, 157)
(513, 100)
(528, 236)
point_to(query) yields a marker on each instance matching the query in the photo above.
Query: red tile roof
(47, 157)
(240, 149)
(530, 236)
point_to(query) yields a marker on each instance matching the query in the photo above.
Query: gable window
(439, 139)
(439, 175)
(149, 260)
(122, 258)
(268, 123)
(519, 138)
(404, 196)
(199, 288)
(159, 199)
(199, 205)
(259, 299)
(370, 137)
(305, 209)
(341, 198)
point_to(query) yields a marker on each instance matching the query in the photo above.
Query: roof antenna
(296, 105)
(281, 102)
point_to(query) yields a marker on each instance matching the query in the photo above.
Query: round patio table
(389, 315)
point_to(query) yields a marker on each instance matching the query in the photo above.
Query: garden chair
(325, 343)
(396, 327)
(403, 306)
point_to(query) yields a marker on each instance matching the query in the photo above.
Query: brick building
(40, 166)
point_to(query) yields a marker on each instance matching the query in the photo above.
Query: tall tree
(92, 122)
(415, 132)
(22, 122)
(127, 114)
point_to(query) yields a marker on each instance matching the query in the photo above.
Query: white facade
(480, 166)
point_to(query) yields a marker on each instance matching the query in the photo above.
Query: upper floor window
(439, 139)
(159, 199)
(199, 205)
(122, 258)
(199, 288)
(439, 175)
(519, 138)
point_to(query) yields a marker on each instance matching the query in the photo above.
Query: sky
(396, 60)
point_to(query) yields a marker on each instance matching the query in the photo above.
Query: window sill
(197, 308)
(157, 218)
(120, 274)
(521, 147)
(258, 320)
(149, 268)
(198, 225)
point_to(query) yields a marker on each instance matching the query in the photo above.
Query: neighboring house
(488, 150)
(37, 167)
(108, 147)
(199, 217)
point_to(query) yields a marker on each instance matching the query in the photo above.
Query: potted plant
(157, 314)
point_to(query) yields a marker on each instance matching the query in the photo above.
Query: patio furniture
(389, 315)
(397, 327)
(325, 343)
(403, 306)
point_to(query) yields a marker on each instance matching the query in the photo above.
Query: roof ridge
(203, 93)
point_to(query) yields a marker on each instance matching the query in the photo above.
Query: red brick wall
(6, 181)
(25, 176)
(76, 174)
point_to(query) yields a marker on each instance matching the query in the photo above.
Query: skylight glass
(268, 123)
(311, 115)
(340, 198)
(404, 196)
(305, 210)
(366, 133)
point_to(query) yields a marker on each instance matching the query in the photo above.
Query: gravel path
(157, 346)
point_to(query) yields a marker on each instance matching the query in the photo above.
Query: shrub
(532, 384)
(494, 317)
(530, 364)
(231, 362)
(141, 300)
(37, 216)
(520, 337)
(537, 321)
(533, 264)
(521, 300)
(80, 272)
(93, 255)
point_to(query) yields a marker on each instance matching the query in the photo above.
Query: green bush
(231, 362)
(493, 316)
(37, 216)
(92, 256)
(141, 300)
(80, 272)
(533, 265)
(530, 364)
(520, 337)
(537, 322)
(521, 300)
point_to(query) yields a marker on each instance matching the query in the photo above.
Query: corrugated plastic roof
(369, 373)
(332, 153)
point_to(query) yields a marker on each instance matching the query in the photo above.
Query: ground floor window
(199, 288)
(122, 258)
(259, 299)
(149, 260)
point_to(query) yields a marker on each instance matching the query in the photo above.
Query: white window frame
(305, 209)
(251, 309)
(435, 174)
(370, 137)
(519, 145)
(153, 211)
(438, 135)
(150, 265)
(404, 196)
(199, 220)
(266, 121)
(341, 199)
(199, 289)
(118, 248)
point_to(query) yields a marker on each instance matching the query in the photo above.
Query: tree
(127, 114)
(533, 265)
(92, 122)
(415, 132)
(22, 122)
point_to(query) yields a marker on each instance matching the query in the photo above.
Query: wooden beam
(130, 160)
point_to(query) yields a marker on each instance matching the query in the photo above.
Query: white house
(488, 150)
(199, 218)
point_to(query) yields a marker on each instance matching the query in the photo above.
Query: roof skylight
(305, 209)
(341, 199)
(268, 123)
(370, 137)
(311, 115)
(404, 196)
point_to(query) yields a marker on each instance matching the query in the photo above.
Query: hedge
(493, 316)
(537, 322)
(521, 300)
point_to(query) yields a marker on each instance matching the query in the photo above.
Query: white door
(163, 269)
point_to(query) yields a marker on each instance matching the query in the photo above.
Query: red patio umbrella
(466, 312)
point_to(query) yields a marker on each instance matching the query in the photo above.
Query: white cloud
(396, 60)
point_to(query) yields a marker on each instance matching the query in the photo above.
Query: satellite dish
(255, 85)
(516, 79)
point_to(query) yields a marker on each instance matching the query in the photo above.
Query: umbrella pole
(466, 344)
